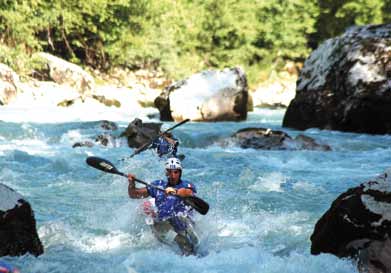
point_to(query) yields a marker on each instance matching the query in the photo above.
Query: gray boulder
(18, 233)
(358, 225)
(267, 139)
(138, 133)
(345, 84)
(206, 96)
(63, 72)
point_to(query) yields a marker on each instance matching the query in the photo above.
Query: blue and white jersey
(163, 147)
(169, 207)
(7, 268)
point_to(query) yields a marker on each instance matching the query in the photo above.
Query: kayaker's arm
(170, 140)
(134, 192)
(183, 192)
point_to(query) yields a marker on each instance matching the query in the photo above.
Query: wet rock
(138, 133)
(260, 138)
(345, 84)
(105, 139)
(358, 225)
(303, 142)
(206, 96)
(108, 125)
(18, 234)
(83, 144)
(375, 257)
(267, 139)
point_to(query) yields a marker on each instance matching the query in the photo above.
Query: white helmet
(173, 163)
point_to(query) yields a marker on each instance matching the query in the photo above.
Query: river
(263, 204)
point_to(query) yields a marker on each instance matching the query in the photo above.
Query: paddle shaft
(176, 125)
(145, 146)
(142, 182)
(104, 165)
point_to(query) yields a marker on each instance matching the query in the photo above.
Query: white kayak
(187, 240)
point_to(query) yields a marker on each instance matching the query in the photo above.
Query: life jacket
(7, 268)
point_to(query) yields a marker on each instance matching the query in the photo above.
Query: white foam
(308, 187)
(110, 241)
(89, 111)
(243, 259)
(29, 146)
(55, 233)
(270, 182)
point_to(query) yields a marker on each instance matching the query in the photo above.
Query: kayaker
(173, 222)
(7, 268)
(165, 144)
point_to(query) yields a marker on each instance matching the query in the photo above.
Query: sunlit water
(264, 204)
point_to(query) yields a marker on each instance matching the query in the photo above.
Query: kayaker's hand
(131, 178)
(184, 192)
(170, 190)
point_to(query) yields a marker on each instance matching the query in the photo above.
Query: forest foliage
(180, 37)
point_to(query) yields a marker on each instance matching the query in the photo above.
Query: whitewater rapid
(263, 204)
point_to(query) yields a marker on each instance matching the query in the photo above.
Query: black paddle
(104, 165)
(146, 145)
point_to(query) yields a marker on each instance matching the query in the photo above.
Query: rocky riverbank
(64, 85)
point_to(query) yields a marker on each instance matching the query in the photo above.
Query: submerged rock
(18, 233)
(85, 143)
(106, 138)
(108, 125)
(358, 224)
(345, 84)
(267, 139)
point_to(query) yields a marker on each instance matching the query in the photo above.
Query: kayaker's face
(173, 176)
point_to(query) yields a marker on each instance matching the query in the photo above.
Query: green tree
(283, 28)
(337, 15)
(225, 33)
(386, 11)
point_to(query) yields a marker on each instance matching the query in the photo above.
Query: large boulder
(9, 81)
(267, 139)
(18, 234)
(344, 84)
(358, 224)
(139, 133)
(206, 96)
(63, 72)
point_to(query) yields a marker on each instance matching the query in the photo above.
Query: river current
(263, 204)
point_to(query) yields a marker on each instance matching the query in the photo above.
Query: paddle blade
(197, 203)
(102, 164)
